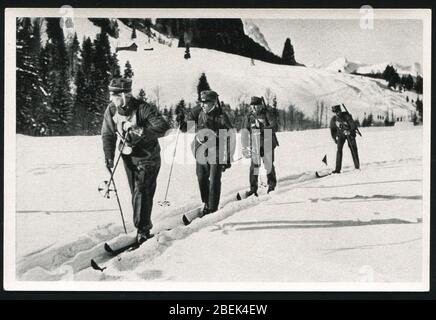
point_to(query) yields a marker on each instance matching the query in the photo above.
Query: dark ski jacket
(148, 126)
(267, 120)
(215, 120)
(340, 124)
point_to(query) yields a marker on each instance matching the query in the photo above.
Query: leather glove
(127, 125)
(109, 163)
(246, 153)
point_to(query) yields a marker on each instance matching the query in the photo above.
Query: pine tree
(187, 53)
(181, 41)
(389, 73)
(26, 76)
(142, 96)
(394, 80)
(115, 67)
(419, 84)
(35, 41)
(128, 72)
(43, 114)
(170, 116)
(202, 85)
(419, 108)
(60, 100)
(409, 82)
(101, 77)
(370, 120)
(181, 107)
(85, 105)
(80, 105)
(73, 58)
(39, 94)
(288, 57)
(165, 113)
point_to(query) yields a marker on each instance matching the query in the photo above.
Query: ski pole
(115, 166)
(166, 202)
(118, 201)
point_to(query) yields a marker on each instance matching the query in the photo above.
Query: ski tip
(95, 266)
(108, 248)
(185, 220)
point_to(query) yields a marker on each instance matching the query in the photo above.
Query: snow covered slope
(166, 76)
(339, 228)
(343, 65)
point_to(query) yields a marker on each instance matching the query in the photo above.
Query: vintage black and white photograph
(214, 149)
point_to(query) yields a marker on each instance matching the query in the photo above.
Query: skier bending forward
(141, 125)
(343, 127)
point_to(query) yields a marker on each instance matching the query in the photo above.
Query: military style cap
(255, 101)
(208, 95)
(336, 108)
(118, 85)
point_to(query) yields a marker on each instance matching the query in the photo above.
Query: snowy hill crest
(342, 64)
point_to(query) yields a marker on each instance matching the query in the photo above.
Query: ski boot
(270, 188)
(250, 193)
(205, 211)
(143, 236)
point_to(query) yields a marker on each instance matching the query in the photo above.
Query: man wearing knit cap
(140, 124)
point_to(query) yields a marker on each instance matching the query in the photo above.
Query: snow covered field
(358, 226)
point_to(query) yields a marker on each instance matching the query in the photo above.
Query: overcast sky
(323, 41)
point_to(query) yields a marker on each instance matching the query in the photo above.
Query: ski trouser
(142, 175)
(353, 147)
(268, 162)
(209, 181)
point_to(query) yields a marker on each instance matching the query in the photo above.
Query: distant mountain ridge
(253, 31)
(342, 64)
(234, 36)
(226, 35)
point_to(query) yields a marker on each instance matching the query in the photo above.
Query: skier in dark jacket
(141, 125)
(258, 139)
(343, 127)
(213, 146)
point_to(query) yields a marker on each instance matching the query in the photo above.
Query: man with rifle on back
(343, 127)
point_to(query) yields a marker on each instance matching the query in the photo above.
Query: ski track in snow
(61, 261)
